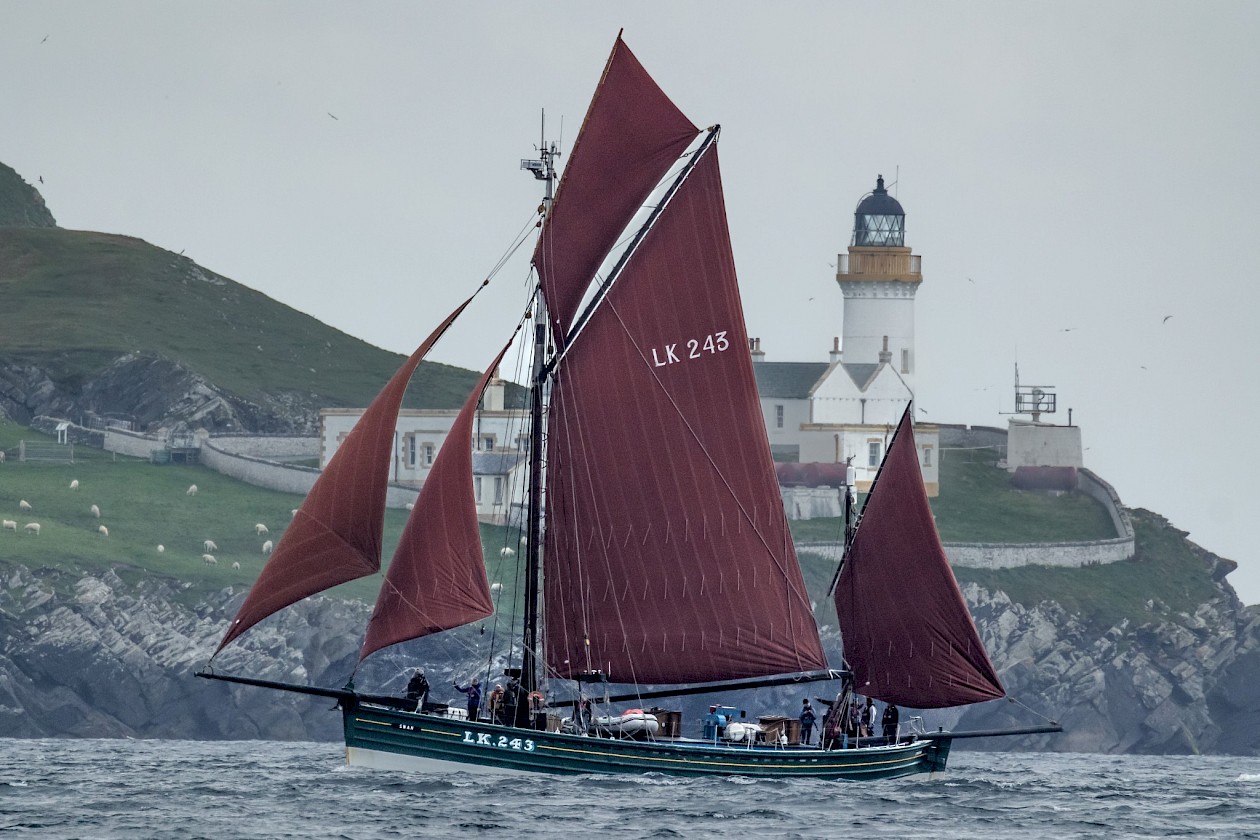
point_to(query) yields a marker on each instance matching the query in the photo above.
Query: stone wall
(270, 447)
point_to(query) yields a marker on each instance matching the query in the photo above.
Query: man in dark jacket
(890, 720)
(418, 689)
(808, 718)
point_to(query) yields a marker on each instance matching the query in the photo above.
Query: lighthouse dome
(879, 220)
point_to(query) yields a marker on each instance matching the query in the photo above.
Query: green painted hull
(391, 739)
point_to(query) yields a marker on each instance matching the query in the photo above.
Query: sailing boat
(673, 570)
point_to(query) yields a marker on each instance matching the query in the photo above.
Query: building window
(411, 450)
(487, 443)
(428, 454)
(905, 360)
(778, 417)
(498, 489)
(927, 456)
(477, 489)
(872, 453)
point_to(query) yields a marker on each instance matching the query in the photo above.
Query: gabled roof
(788, 380)
(861, 374)
(495, 463)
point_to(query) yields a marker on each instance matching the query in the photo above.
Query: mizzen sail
(907, 634)
(437, 578)
(668, 557)
(336, 534)
(630, 138)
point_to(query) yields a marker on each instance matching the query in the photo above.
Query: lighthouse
(878, 279)
(844, 410)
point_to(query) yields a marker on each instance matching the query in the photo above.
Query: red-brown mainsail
(668, 557)
(907, 634)
(630, 138)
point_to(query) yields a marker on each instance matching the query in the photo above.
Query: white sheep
(411, 505)
(24, 505)
(10, 525)
(236, 565)
(267, 546)
(74, 484)
(506, 551)
(209, 545)
(103, 531)
(2, 456)
(161, 548)
(33, 527)
(260, 529)
(191, 491)
(95, 511)
(293, 513)
(496, 587)
(209, 560)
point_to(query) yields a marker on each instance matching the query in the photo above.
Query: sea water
(226, 790)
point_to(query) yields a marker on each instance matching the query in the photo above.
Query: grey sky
(1072, 172)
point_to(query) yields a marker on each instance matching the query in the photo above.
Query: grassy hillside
(143, 505)
(74, 300)
(977, 504)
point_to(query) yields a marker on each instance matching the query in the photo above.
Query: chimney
(884, 355)
(836, 354)
(492, 400)
(757, 354)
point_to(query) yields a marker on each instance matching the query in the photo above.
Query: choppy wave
(246, 790)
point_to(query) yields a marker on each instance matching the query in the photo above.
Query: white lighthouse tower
(878, 278)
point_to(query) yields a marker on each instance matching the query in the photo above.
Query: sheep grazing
(103, 531)
(293, 513)
(10, 525)
(236, 566)
(95, 511)
(33, 527)
(209, 560)
(506, 551)
(161, 548)
(411, 505)
(267, 546)
(24, 505)
(496, 586)
(209, 545)
(74, 484)
(260, 529)
(191, 491)
(2, 456)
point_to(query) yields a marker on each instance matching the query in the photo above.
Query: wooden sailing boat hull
(390, 739)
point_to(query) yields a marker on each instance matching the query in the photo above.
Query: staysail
(668, 557)
(437, 579)
(335, 536)
(907, 634)
(630, 138)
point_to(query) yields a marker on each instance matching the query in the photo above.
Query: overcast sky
(1072, 173)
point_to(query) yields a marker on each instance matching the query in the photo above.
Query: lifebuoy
(536, 700)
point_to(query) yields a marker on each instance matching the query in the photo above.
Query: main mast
(544, 169)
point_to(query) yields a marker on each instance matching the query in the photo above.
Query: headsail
(668, 558)
(907, 634)
(336, 534)
(437, 579)
(630, 138)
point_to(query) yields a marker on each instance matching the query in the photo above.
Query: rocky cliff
(99, 656)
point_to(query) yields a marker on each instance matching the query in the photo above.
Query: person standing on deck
(474, 697)
(869, 716)
(418, 689)
(807, 721)
(496, 704)
(890, 720)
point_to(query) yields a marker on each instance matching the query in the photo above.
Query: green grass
(144, 504)
(75, 300)
(1165, 568)
(977, 504)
